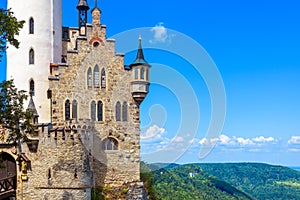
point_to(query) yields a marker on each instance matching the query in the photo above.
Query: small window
(74, 109)
(142, 73)
(31, 26)
(136, 73)
(118, 111)
(100, 111)
(93, 110)
(67, 110)
(31, 87)
(96, 76)
(147, 74)
(110, 144)
(31, 56)
(89, 78)
(103, 81)
(124, 111)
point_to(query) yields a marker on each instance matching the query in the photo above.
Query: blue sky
(255, 46)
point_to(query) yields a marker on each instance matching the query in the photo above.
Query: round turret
(140, 76)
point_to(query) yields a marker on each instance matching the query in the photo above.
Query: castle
(86, 105)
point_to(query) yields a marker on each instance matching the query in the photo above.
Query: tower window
(93, 110)
(118, 111)
(124, 111)
(74, 109)
(147, 74)
(31, 26)
(100, 111)
(103, 81)
(142, 73)
(67, 110)
(110, 144)
(136, 73)
(31, 87)
(89, 78)
(96, 76)
(31, 56)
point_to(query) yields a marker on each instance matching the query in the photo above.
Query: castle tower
(40, 47)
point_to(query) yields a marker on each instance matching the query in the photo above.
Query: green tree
(9, 28)
(13, 117)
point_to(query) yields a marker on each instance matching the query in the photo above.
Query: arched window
(142, 73)
(31, 87)
(110, 144)
(118, 111)
(31, 56)
(74, 109)
(136, 73)
(100, 111)
(31, 26)
(96, 76)
(147, 74)
(89, 78)
(67, 110)
(93, 110)
(124, 111)
(103, 81)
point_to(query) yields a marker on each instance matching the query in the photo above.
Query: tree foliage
(9, 28)
(13, 117)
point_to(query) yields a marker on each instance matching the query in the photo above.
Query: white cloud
(160, 34)
(153, 132)
(263, 139)
(294, 140)
(234, 142)
(178, 139)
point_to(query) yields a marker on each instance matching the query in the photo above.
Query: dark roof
(140, 59)
(82, 5)
(31, 106)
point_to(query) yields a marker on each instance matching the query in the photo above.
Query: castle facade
(86, 103)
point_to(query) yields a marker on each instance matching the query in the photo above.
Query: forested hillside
(221, 181)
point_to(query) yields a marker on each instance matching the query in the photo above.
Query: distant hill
(222, 181)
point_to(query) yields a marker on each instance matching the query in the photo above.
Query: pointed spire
(31, 106)
(140, 59)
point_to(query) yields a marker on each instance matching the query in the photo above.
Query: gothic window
(31, 26)
(136, 73)
(118, 111)
(100, 111)
(147, 74)
(89, 78)
(31, 87)
(142, 73)
(93, 110)
(74, 109)
(110, 144)
(96, 76)
(103, 81)
(31, 56)
(124, 111)
(67, 110)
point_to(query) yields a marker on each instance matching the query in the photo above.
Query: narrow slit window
(31, 26)
(89, 78)
(103, 79)
(124, 111)
(100, 111)
(31, 87)
(142, 73)
(74, 109)
(96, 76)
(136, 73)
(118, 111)
(67, 110)
(31, 56)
